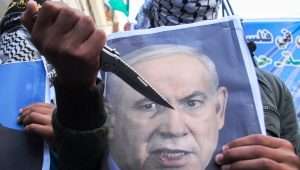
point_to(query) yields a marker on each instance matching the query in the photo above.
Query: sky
(266, 8)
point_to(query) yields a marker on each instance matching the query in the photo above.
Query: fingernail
(225, 167)
(219, 158)
(32, 2)
(225, 147)
(19, 121)
(29, 2)
(26, 128)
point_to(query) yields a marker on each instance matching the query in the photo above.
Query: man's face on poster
(145, 135)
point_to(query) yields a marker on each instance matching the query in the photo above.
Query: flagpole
(227, 8)
(127, 2)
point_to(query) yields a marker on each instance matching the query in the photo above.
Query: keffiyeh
(156, 13)
(15, 40)
(15, 43)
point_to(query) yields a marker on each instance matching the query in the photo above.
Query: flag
(119, 5)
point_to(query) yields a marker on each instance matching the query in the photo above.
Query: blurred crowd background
(110, 15)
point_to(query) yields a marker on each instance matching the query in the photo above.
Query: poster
(184, 63)
(278, 50)
(22, 84)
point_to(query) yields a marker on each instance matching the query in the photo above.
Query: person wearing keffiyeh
(243, 153)
(155, 13)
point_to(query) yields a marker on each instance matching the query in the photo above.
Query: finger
(255, 164)
(65, 21)
(95, 43)
(46, 105)
(39, 106)
(89, 51)
(28, 15)
(45, 18)
(82, 31)
(97, 40)
(36, 118)
(48, 13)
(43, 108)
(257, 139)
(249, 152)
(44, 131)
(255, 152)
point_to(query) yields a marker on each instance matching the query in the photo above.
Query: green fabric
(280, 116)
(119, 5)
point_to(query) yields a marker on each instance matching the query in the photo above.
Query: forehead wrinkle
(194, 94)
(165, 64)
(161, 64)
(165, 51)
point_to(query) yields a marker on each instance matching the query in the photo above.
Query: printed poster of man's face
(157, 137)
(211, 107)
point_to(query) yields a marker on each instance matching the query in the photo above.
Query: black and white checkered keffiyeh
(15, 40)
(156, 13)
(16, 47)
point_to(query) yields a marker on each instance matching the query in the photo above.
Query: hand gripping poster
(22, 84)
(205, 71)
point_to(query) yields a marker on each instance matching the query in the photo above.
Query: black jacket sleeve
(78, 122)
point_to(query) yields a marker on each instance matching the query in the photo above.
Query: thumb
(28, 17)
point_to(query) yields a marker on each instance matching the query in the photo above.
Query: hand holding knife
(110, 61)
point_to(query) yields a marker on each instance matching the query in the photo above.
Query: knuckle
(32, 108)
(48, 6)
(288, 144)
(27, 110)
(70, 13)
(267, 164)
(102, 35)
(258, 139)
(34, 116)
(30, 117)
(257, 151)
(66, 12)
(227, 153)
(87, 23)
(292, 157)
(33, 128)
(82, 54)
(88, 20)
(30, 127)
(229, 156)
